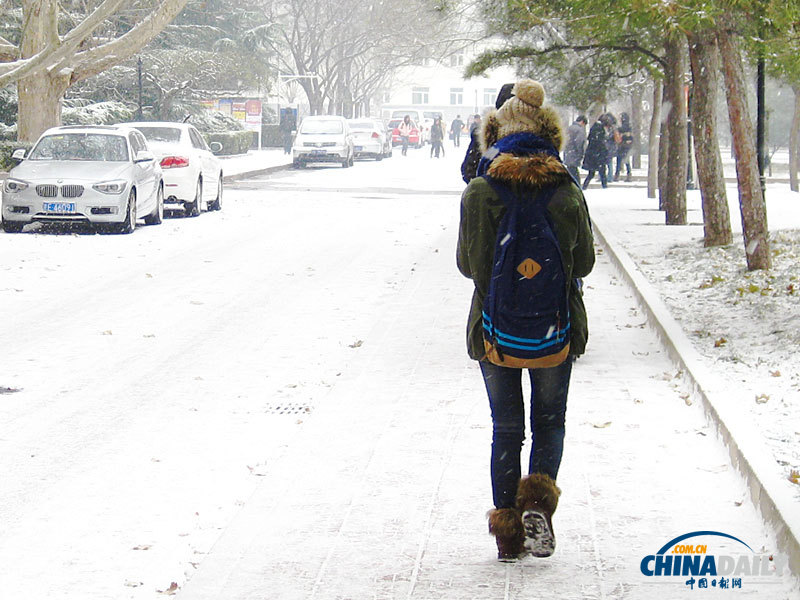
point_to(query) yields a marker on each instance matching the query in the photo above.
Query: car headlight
(111, 187)
(13, 186)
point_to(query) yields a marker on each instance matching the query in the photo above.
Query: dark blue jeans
(548, 410)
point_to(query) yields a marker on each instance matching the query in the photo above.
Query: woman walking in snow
(520, 143)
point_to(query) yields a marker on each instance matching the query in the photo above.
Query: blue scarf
(518, 144)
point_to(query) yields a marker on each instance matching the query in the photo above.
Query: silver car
(104, 175)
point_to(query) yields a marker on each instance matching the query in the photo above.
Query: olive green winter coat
(481, 213)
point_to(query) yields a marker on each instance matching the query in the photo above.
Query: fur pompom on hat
(524, 112)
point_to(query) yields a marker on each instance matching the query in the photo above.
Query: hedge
(6, 148)
(233, 142)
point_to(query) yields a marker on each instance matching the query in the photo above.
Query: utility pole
(139, 73)
(761, 108)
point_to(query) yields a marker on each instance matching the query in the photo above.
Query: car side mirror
(216, 147)
(144, 156)
(19, 154)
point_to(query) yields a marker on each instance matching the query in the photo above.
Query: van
(323, 138)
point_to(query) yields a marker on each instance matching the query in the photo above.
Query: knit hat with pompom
(524, 112)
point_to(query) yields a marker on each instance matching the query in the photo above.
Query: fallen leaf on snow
(142, 547)
(720, 342)
(775, 373)
(108, 332)
(601, 425)
(133, 584)
(794, 477)
(171, 590)
(762, 398)
(356, 344)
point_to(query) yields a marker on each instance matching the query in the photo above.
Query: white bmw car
(104, 175)
(192, 174)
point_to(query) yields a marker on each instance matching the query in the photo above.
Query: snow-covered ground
(744, 323)
(274, 401)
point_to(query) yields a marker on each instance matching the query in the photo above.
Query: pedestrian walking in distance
(596, 156)
(404, 130)
(575, 146)
(522, 188)
(456, 128)
(624, 146)
(437, 137)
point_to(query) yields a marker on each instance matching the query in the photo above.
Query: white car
(323, 138)
(371, 138)
(104, 175)
(192, 173)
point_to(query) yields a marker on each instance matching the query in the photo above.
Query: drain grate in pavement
(8, 390)
(288, 408)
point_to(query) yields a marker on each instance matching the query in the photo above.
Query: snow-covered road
(274, 401)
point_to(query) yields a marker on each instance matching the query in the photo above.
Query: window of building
(419, 95)
(457, 96)
(489, 96)
(457, 60)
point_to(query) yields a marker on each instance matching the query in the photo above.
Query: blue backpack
(526, 310)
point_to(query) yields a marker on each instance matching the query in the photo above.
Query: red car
(413, 138)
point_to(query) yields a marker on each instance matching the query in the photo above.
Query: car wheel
(352, 160)
(129, 224)
(379, 156)
(12, 226)
(346, 162)
(157, 216)
(216, 204)
(193, 208)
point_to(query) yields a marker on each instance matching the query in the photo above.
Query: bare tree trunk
(751, 200)
(652, 144)
(663, 149)
(636, 126)
(704, 60)
(39, 94)
(794, 141)
(677, 160)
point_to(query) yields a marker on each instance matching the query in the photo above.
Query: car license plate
(318, 152)
(59, 207)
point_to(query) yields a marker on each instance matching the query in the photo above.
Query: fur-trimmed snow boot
(537, 499)
(505, 524)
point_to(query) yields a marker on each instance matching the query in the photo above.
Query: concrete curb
(253, 173)
(774, 503)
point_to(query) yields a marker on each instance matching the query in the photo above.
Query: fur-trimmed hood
(533, 170)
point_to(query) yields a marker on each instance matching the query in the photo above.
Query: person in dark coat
(575, 146)
(470, 165)
(437, 137)
(624, 146)
(612, 141)
(456, 127)
(596, 155)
